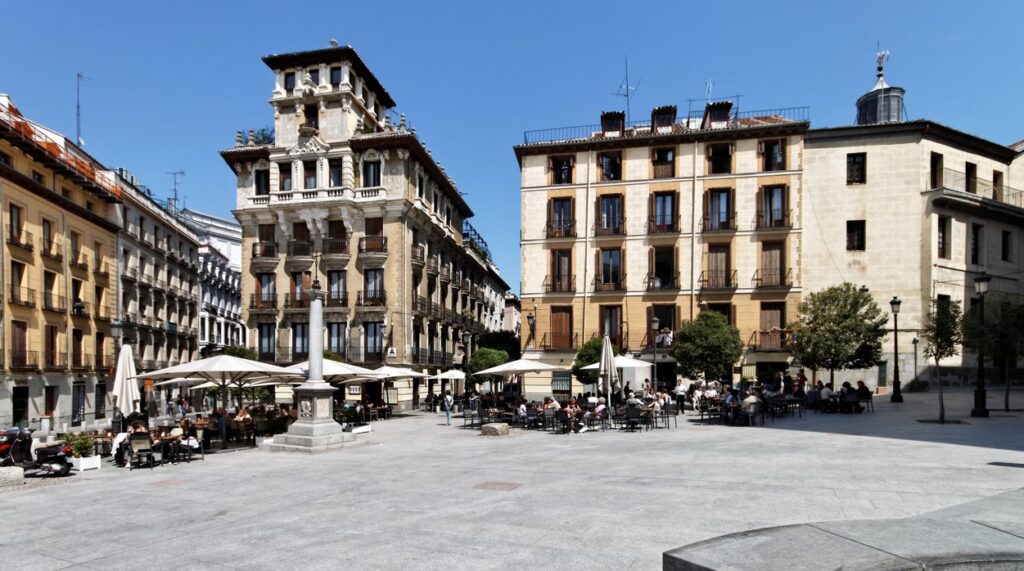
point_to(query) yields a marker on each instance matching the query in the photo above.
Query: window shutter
(597, 212)
(675, 210)
(782, 150)
(785, 201)
(650, 262)
(622, 266)
(675, 266)
(572, 214)
(760, 147)
(760, 206)
(598, 270)
(305, 280)
(731, 213)
(707, 206)
(551, 212)
(622, 212)
(259, 286)
(651, 212)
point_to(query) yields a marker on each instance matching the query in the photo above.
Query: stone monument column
(315, 429)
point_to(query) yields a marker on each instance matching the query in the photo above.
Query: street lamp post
(897, 394)
(655, 324)
(980, 409)
(915, 342)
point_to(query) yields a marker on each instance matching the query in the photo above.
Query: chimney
(663, 118)
(716, 115)
(613, 123)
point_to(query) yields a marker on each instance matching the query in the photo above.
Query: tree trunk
(942, 401)
(832, 379)
(1005, 373)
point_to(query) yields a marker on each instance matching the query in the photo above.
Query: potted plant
(83, 452)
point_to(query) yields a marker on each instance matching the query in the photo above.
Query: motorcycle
(16, 450)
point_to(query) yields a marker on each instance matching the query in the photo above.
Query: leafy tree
(707, 346)
(588, 354)
(264, 136)
(503, 340)
(240, 351)
(942, 333)
(332, 356)
(485, 358)
(840, 327)
(1002, 337)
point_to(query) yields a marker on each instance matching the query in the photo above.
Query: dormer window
(371, 173)
(335, 76)
(289, 81)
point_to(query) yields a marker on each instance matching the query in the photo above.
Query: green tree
(332, 356)
(942, 333)
(1002, 337)
(503, 340)
(240, 351)
(840, 327)
(707, 346)
(588, 354)
(485, 358)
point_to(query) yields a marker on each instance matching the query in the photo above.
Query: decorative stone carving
(308, 145)
(306, 408)
(402, 154)
(284, 226)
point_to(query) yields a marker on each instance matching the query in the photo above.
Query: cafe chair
(141, 448)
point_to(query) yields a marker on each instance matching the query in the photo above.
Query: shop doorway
(19, 399)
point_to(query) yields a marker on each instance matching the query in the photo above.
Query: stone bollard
(494, 429)
(12, 476)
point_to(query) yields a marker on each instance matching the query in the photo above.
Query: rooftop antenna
(173, 202)
(708, 86)
(78, 108)
(625, 89)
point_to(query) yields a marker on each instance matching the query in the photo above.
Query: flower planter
(87, 463)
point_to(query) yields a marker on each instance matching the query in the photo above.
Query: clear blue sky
(173, 81)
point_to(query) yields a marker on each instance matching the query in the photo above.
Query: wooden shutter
(572, 215)
(675, 211)
(622, 212)
(597, 213)
(675, 267)
(306, 280)
(707, 206)
(650, 265)
(551, 218)
(761, 211)
(598, 269)
(291, 283)
(267, 232)
(731, 212)
(652, 213)
(650, 335)
(259, 286)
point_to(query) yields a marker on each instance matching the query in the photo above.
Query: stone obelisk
(315, 429)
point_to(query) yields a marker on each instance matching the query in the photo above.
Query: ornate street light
(897, 394)
(655, 326)
(980, 410)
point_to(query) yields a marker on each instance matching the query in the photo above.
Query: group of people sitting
(846, 400)
(172, 443)
(578, 412)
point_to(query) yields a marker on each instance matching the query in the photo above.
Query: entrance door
(19, 400)
(561, 327)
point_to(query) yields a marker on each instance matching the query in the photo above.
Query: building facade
(220, 276)
(345, 198)
(60, 222)
(622, 223)
(158, 258)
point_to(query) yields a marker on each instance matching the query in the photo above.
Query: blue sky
(171, 82)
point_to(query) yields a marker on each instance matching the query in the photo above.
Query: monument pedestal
(315, 430)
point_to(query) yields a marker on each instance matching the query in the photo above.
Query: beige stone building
(60, 224)
(662, 218)
(345, 196)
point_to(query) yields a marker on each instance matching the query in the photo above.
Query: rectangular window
(971, 178)
(943, 236)
(334, 169)
(719, 214)
(856, 168)
(300, 341)
(52, 394)
(720, 158)
(100, 400)
(336, 332)
(14, 223)
(997, 185)
(284, 174)
(309, 171)
(267, 286)
(374, 339)
(421, 187)
(289, 80)
(373, 281)
(774, 213)
(663, 162)
(773, 155)
(561, 168)
(663, 273)
(855, 235)
(335, 76)
(267, 340)
(610, 165)
(77, 404)
(5, 159)
(664, 215)
(371, 173)
(261, 179)
(936, 171)
(561, 271)
(610, 218)
(561, 223)
(611, 324)
(1007, 246)
(666, 315)
(610, 276)
(311, 116)
(977, 235)
(314, 74)
(38, 177)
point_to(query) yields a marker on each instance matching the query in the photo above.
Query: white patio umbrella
(389, 372)
(334, 370)
(520, 367)
(126, 386)
(620, 362)
(224, 370)
(451, 375)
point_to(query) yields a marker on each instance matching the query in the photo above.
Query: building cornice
(977, 205)
(925, 129)
(8, 173)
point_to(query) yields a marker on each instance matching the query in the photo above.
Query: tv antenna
(625, 89)
(708, 86)
(78, 108)
(173, 202)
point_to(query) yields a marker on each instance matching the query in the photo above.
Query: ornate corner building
(342, 195)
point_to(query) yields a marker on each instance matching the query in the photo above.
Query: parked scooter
(16, 450)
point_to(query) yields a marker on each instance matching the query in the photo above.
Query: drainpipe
(693, 225)
(586, 246)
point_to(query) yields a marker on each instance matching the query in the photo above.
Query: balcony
(665, 169)
(79, 260)
(23, 296)
(958, 181)
(132, 230)
(560, 229)
(436, 311)
(373, 249)
(54, 302)
(773, 278)
(300, 248)
(663, 225)
(371, 298)
(560, 284)
(130, 274)
(296, 301)
(419, 356)
(418, 257)
(104, 312)
(81, 361)
(467, 285)
(24, 360)
(262, 302)
(433, 265)
(719, 222)
(773, 219)
(560, 342)
(662, 282)
(612, 227)
(457, 280)
(336, 300)
(264, 255)
(52, 249)
(335, 249)
(102, 269)
(420, 305)
(54, 361)
(363, 356)
(20, 238)
(610, 285)
(771, 340)
(103, 362)
(446, 274)
(292, 354)
(718, 279)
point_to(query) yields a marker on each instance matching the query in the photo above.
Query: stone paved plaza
(421, 495)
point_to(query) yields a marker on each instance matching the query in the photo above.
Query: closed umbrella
(608, 372)
(126, 386)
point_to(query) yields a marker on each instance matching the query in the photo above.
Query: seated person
(632, 400)
(243, 415)
(751, 400)
(848, 399)
(863, 392)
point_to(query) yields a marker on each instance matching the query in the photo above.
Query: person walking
(449, 401)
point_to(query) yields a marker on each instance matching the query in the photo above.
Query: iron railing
(718, 279)
(719, 222)
(81, 361)
(560, 229)
(560, 342)
(663, 224)
(55, 361)
(771, 340)
(657, 282)
(772, 218)
(617, 284)
(560, 284)
(955, 180)
(264, 250)
(372, 298)
(23, 296)
(296, 300)
(22, 360)
(263, 300)
(300, 248)
(336, 299)
(373, 244)
(54, 302)
(335, 246)
(773, 278)
(610, 227)
(420, 305)
(52, 249)
(19, 237)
